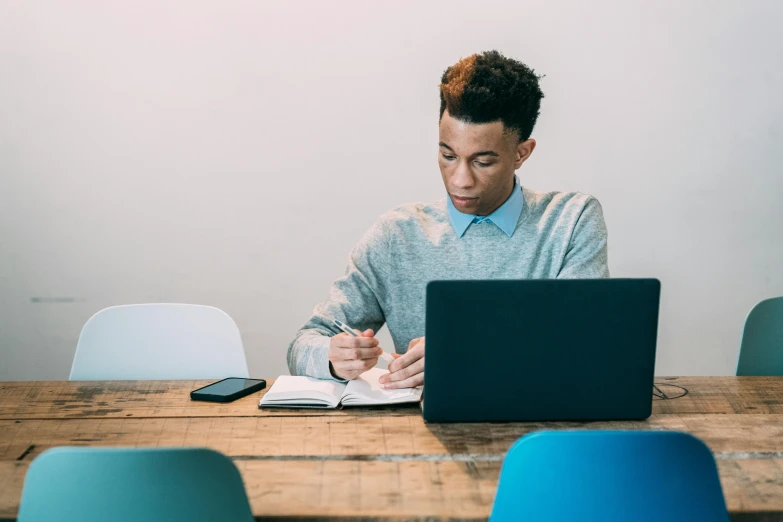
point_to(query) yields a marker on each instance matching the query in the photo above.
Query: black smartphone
(227, 390)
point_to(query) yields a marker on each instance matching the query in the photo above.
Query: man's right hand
(351, 356)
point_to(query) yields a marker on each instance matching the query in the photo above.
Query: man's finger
(368, 333)
(408, 371)
(361, 365)
(405, 359)
(411, 382)
(357, 342)
(404, 362)
(356, 354)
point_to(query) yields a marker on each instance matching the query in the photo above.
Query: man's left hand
(407, 370)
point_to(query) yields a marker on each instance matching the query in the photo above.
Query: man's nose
(463, 177)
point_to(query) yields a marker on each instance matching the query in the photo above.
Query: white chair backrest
(159, 342)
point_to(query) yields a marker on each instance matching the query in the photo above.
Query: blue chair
(761, 348)
(124, 485)
(609, 476)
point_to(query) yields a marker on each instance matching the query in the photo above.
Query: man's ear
(524, 150)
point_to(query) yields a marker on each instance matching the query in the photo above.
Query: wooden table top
(374, 463)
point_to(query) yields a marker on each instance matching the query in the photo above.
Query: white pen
(353, 333)
(345, 328)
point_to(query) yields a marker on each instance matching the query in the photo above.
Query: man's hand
(351, 356)
(406, 371)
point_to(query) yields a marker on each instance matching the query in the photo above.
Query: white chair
(159, 342)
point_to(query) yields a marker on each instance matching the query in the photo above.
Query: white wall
(231, 153)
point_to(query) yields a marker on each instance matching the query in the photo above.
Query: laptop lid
(540, 350)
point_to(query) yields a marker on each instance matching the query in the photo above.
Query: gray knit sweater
(558, 235)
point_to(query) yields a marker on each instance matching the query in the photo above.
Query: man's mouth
(463, 200)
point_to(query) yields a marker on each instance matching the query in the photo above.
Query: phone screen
(228, 386)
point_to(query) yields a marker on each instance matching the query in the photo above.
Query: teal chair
(761, 348)
(132, 485)
(609, 476)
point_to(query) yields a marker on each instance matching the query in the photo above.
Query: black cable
(662, 396)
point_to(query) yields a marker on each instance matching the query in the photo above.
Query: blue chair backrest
(761, 348)
(609, 476)
(124, 485)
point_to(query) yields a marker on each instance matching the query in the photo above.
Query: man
(489, 227)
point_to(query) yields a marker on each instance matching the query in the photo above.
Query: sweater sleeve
(355, 299)
(586, 256)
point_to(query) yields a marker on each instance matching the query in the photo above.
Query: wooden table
(373, 463)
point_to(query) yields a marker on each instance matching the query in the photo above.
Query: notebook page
(303, 392)
(366, 390)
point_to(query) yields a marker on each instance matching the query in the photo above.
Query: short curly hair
(488, 87)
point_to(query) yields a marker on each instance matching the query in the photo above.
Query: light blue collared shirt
(505, 216)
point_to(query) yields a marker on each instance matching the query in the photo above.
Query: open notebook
(307, 392)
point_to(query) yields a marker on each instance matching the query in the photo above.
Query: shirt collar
(505, 217)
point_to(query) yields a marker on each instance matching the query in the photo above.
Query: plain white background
(231, 153)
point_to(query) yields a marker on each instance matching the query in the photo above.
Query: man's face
(478, 161)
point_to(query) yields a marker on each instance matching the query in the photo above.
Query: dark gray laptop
(540, 350)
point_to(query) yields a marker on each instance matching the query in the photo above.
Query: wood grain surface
(375, 463)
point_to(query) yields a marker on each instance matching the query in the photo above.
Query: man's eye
(482, 164)
(447, 157)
